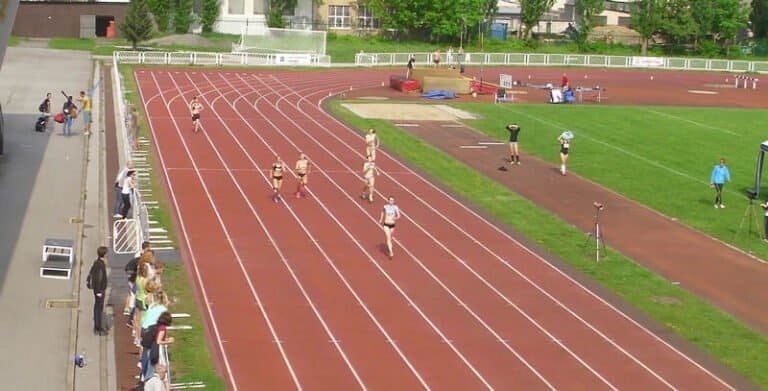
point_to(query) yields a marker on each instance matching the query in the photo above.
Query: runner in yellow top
(369, 172)
(85, 112)
(302, 172)
(371, 143)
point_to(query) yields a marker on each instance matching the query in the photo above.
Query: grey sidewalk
(42, 179)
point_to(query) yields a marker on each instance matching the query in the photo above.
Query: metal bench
(58, 257)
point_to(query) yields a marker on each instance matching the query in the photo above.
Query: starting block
(58, 257)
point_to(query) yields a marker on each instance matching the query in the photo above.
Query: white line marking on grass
(699, 124)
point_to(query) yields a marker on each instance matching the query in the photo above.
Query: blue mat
(439, 94)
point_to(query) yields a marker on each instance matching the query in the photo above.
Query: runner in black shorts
(277, 178)
(565, 146)
(514, 153)
(195, 107)
(389, 215)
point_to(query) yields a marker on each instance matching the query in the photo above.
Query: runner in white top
(389, 216)
(565, 147)
(277, 178)
(371, 143)
(302, 172)
(369, 172)
(195, 107)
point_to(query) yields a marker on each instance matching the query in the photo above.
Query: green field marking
(712, 330)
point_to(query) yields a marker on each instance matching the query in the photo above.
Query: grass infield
(715, 332)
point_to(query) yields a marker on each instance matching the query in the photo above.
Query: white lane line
(491, 143)
(473, 146)
(231, 244)
(319, 107)
(270, 237)
(326, 257)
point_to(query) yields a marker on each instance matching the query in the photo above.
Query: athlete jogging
(369, 172)
(389, 216)
(195, 107)
(302, 172)
(277, 178)
(371, 143)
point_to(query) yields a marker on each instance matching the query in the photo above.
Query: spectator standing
(85, 104)
(70, 113)
(564, 81)
(155, 336)
(159, 381)
(45, 109)
(131, 270)
(129, 184)
(514, 152)
(460, 58)
(436, 58)
(97, 281)
(720, 175)
(449, 56)
(119, 179)
(565, 140)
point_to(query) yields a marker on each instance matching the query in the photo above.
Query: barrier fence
(222, 59)
(576, 60)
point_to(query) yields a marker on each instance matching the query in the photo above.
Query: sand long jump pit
(407, 111)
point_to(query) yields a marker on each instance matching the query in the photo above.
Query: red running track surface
(301, 294)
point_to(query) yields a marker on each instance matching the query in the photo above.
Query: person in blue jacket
(720, 175)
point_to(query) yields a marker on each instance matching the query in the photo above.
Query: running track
(301, 295)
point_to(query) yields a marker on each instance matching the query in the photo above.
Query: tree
(209, 13)
(532, 10)
(161, 10)
(432, 19)
(587, 10)
(137, 25)
(719, 20)
(678, 24)
(278, 8)
(647, 19)
(182, 15)
(759, 18)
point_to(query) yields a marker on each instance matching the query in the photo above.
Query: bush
(708, 49)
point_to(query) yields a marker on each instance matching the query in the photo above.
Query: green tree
(209, 13)
(647, 19)
(278, 8)
(531, 11)
(137, 25)
(678, 24)
(759, 18)
(587, 10)
(182, 15)
(431, 19)
(719, 20)
(161, 10)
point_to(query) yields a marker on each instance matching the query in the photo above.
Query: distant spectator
(45, 109)
(70, 113)
(564, 82)
(97, 281)
(158, 382)
(119, 179)
(131, 270)
(85, 102)
(436, 58)
(449, 56)
(129, 185)
(411, 64)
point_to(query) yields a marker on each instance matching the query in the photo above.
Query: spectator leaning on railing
(119, 179)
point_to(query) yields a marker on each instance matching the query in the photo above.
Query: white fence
(222, 59)
(576, 60)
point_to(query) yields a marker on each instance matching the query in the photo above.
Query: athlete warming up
(302, 172)
(565, 140)
(389, 216)
(195, 107)
(277, 178)
(514, 153)
(369, 172)
(371, 143)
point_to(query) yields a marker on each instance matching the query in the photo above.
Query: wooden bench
(58, 257)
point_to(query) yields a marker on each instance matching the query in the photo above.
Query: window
(236, 7)
(338, 16)
(365, 19)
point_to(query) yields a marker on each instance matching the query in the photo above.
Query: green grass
(659, 156)
(72, 43)
(694, 319)
(191, 360)
(190, 357)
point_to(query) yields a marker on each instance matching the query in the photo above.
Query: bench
(58, 257)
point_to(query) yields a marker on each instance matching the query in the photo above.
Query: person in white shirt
(129, 184)
(389, 216)
(119, 179)
(369, 172)
(159, 381)
(371, 143)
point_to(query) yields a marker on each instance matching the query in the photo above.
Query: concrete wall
(50, 19)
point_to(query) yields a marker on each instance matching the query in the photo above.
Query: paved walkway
(44, 178)
(720, 274)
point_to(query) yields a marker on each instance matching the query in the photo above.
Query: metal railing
(222, 59)
(578, 60)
